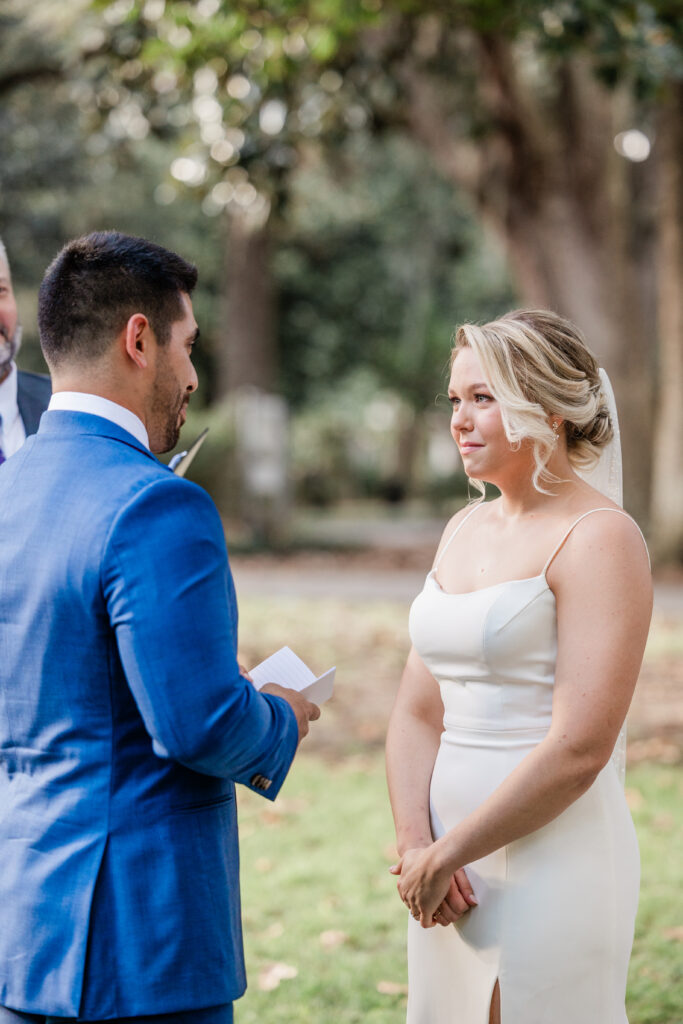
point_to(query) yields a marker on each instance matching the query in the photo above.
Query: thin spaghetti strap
(446, 545)
(620, 511)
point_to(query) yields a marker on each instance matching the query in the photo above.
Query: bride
(518, 858)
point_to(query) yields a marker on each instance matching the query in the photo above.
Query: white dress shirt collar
(8, 396)
(79, 401)
(12, 432)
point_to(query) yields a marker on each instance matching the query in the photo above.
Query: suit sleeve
(171, 601)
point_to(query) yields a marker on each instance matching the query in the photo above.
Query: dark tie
(2, 454)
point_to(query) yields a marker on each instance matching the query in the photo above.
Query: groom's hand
(303, 709)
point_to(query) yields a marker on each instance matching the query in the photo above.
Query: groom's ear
(136, 338)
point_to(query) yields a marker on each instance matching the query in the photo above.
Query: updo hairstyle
(537, 365)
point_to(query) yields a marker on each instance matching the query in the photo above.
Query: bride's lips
(468, 447)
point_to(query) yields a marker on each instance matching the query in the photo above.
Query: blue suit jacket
(123, 723)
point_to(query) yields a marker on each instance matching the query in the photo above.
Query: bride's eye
(486, 398)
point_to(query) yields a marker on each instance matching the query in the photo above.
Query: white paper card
(286, 669)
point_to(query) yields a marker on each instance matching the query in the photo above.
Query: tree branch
(13, 79)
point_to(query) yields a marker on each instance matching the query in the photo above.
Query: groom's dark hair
(96, 283)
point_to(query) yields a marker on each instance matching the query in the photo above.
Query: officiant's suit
(124, 723)
(33, 395)
(24, 397)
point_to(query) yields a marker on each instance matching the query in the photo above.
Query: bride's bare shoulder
(604, 542)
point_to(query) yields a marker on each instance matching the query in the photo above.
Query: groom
(124, 719)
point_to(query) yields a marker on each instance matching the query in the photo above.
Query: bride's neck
(519, 497)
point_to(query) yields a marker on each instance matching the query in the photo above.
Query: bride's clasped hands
(432, 891)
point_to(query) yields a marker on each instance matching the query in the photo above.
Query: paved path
(349, 580)
(374, 584)
(343, 584)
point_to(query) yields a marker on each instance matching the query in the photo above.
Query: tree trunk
(667, 491)
(546, 177)
(592, 281)
(247, 376)
(246, 355)
(412, 356)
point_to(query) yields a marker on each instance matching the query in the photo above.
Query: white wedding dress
(554, 924)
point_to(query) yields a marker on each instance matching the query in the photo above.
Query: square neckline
(431, 575)
(526, 579)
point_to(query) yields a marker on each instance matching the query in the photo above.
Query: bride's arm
(413, 736)
(603, 588)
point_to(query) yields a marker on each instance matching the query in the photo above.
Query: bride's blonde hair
(538, 365)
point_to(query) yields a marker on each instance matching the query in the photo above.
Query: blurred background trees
(353, 178)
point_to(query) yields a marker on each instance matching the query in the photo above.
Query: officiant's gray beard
(9, 345)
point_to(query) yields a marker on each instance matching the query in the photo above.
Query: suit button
(259, 781)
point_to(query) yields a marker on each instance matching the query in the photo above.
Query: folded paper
(286, 669)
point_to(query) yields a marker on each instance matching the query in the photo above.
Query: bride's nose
(460, 419)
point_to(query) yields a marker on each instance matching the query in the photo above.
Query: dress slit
(495, 998)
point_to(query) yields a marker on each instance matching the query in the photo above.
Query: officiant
(23, 396)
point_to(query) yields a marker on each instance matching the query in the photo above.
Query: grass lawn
(324, 929)
(319, 899)
(656, 977)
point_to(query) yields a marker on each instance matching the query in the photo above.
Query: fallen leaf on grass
(634, 798)
(676, 933)
(274, 930)
(263, 864)
(332, 938)
(655, 748)
(271, 817)
(391, 988)
(271, 976)
(370, 732)
(330, 902)
(359, 763)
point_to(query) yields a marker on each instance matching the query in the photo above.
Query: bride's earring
(556, 431)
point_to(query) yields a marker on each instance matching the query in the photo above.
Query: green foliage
(239, 84)
(376, 258)
(164, 118)
(215, 465)
(637, 42)
(245, 86)
(382, 260)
